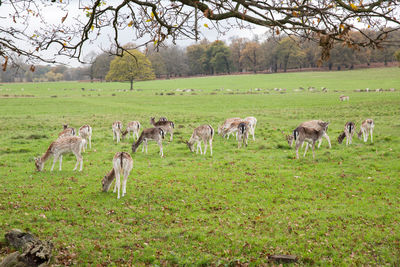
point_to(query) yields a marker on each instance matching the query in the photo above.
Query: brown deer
(252, 125)
(203, 133)
(311, 124)
(132, 127)
(366, 126)
(310, 135)
(243, 133)
(167, 126)
(156, 134)
(59, 147)
(122, 166)
(86, 133)
(67, 131)
(348, 133)
(227, 123)
(344, 98)
(117, 130)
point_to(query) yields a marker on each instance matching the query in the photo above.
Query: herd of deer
(67, 142)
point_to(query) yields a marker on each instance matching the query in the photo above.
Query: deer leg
(298, 144)
(90, 141)
(365, 136)
(172, 134)
(161, 148)
(327, 138)
(54, 162)
(252, 133)
(305, 151)
(137, 135)
(205, 146)
(113, 135)
(117, 181)
(371, 135)
(124, 184)
(211, 146)
(313, 150)
(60, 162)
(78, 160)
(146, 146)
(199, 146)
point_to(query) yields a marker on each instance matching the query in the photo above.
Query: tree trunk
(131, 84)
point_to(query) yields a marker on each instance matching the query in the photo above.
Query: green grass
(238, 206)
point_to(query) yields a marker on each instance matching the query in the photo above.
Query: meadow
(234, 208)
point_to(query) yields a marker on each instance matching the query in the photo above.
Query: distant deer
(163, 119)
(133, 127)
(67, 131)
(167, 126)
(117, 130)
(344, 98)
(227, 123)
(366, 126)
(59, 147)
(348, 133)
(243, 133)
(86, 133)
(252, 125)
(122, 165)
(156, 134)
(311, 124)
(310, 135)
(203, 133)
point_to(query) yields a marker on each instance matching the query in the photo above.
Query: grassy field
(236, 207)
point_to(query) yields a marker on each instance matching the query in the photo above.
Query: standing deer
(86, 133)
(252, 125)
(311, 124)
(59, 147)
(67, 131)
(122, 165)
(203, 133)
(167, 126)
(366, 126)
(156, 134)
(310, 135)
(134, 127)
(227, 123)
(243, 133)
(344, 98)
(117, 130)
(348, 133)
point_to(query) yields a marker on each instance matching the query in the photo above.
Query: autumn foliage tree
(132, 66)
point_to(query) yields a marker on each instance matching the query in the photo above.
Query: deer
(348, 133)
(85, 132)
(122, 166)
(117, 129)
(167, 126)
(310, 135)
(203, 133)
(59, 147)
(67, 131)
(163, 119)
(366, 126)
(311, 124)
(134, 127)
(156, 134)
(252, 125)
(226, 125)
(243, 133)
(344, 98)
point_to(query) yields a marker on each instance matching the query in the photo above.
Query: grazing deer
(311, 124)
(67, 131)
(203, 133)
(227, 123)
(59, 147)
(117, 130)
(344, 98)
(310, 135)
(243, 133)
(86, 133)
(348, 133)
(122, 165)
(134, 127)
(167, 126)
(252, 125)
(157, 134)
(366, 126)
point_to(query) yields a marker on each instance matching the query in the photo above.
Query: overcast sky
(52, 15)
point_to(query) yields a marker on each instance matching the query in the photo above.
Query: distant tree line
(218, 57)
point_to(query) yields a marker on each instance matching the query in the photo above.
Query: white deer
(59, 147)
(122, 166)
(117, 130)
(132, 127)
(252, 125)
(366, 126)
(86, 133)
